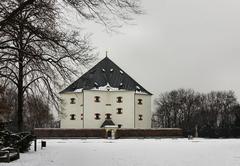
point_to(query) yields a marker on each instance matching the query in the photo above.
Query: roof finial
(106, 53)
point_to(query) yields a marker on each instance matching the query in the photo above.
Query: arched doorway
(109, 134)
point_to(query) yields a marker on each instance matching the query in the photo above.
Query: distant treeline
(215, 114)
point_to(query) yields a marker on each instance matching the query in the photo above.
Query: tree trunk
(20, 81)
(20, 94)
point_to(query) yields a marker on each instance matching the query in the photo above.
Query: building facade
(106, 96)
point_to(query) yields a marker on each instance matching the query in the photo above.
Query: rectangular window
(108, 116)
(140, 101)
(119, 100)
(97, 116)
(119, 110)
(119, 126)
(72, 101)
(72, 117)
(97, 99)
(140, 117)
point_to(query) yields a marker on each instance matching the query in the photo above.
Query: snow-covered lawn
(134, 152)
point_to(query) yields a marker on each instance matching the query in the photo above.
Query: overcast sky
(179, 44)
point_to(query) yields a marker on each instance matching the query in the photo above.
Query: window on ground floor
(97, 116)
(108, 116)
(140, 117)
(72, 117)
(119, 111)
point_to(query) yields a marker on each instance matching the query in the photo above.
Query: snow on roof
(78, 90)
(140, 92)
(106, 88)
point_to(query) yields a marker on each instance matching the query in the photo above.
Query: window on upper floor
(140, 101)
(119, 99)
(72, 117)
(140, 117)
(108, 116)
(97, 99)
(119, 110)
(97, 116)
(72, 101)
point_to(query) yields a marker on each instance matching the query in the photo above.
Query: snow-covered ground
(134, 152)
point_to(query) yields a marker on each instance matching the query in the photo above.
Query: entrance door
(109, 134)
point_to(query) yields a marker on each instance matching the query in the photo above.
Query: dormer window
(96, 85)
(108, 116)
(138, 88)
(140, 101)
(97, 116)
(72, 117)
(72, 101)
(120, 86)
(119, 110)
(119, 100)
(140, 117)
(97, 99)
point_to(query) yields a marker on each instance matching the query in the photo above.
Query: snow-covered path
(134, 152)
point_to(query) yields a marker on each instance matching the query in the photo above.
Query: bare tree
(187, 109)
(4, 108)
(37, 54)
(107, 12)
(37, 113)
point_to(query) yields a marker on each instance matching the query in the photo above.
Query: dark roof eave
(63, 91)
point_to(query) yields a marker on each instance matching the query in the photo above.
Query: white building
(106, 95)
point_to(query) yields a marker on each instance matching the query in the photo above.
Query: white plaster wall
(91, 107)
(126, 119)
(86, 105)
(144, 109)
(68, 109)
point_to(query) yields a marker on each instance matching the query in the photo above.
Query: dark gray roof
(107, 122)
(103, 73)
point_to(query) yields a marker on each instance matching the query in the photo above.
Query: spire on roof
(106, 53)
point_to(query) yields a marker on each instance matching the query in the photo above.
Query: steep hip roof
(105, 73)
